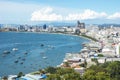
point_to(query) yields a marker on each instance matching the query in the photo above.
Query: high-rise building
(44, 26)
(118, 50)
(21, 28)
(80, 28)
(80, 25)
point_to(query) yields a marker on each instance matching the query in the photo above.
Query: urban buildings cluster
(106, 48)
(80, 27)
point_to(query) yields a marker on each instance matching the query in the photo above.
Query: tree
(97, 68)
(53, 77)
(92, 75)
(95, 60)
(71, 76)
(51, 70)
(102, 76)
(64, 74)
(100, 55)
(63, 71)
(114, 69)
(20, 74)
(66, 64)
(89, 75)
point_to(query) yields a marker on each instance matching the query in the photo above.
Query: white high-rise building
(118, 50)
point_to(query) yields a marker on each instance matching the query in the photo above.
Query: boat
(52, 47)
(16, 61)
(19, 57)
(21, 63)
(15, 49)
(25, 53)
(44, 57)
(6, 52)
(23, 59)
(42, 45)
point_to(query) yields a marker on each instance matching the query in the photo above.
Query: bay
(35, 50)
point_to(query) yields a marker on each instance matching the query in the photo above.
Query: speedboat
(6, 52)
(16, 61)
(15, 49)
(25, 53)
(44, 57)
(42, 45)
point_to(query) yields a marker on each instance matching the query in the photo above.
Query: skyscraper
(80, 25)
(80, 28)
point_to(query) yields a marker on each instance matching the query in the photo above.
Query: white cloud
(50, 14)
(45, 14)
(114, 16)
(87, 14)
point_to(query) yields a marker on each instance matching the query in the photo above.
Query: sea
(28, 52)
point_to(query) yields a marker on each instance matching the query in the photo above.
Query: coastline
(54, 33)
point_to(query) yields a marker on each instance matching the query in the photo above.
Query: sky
(36, 11)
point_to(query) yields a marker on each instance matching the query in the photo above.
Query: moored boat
(15, 49)
(6, 52)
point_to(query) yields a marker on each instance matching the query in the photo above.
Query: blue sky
(32, 11)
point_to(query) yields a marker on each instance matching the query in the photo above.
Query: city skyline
(28, 11)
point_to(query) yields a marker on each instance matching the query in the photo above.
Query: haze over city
(29, 11)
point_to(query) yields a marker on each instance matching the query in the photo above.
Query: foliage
(106, 71)
(51, 70)
(89, 75)
(64, 74)
(97, 68)
(93, 75)
(66, 64)
(53, 77)
(20, 74)
(95, 60)
(41, 71)
(72, 76)
(84, 64)
(114, 69)
(102, 76)
(100, 55)
(89, 37)
(63, 71)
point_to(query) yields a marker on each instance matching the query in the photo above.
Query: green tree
(100, 55)
(97, 68)
(66, 64)
(89, 75)
(114, 69)
(20, 74)
(63, 71)
(71, 76)
(102, 76)
(95, 60)
(53, 77)
(51, 70)
(64, 74)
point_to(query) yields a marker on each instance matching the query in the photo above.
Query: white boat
(15, 49)
(44, 57)
(6, 52)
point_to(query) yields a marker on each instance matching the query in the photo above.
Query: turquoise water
(35, 50)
